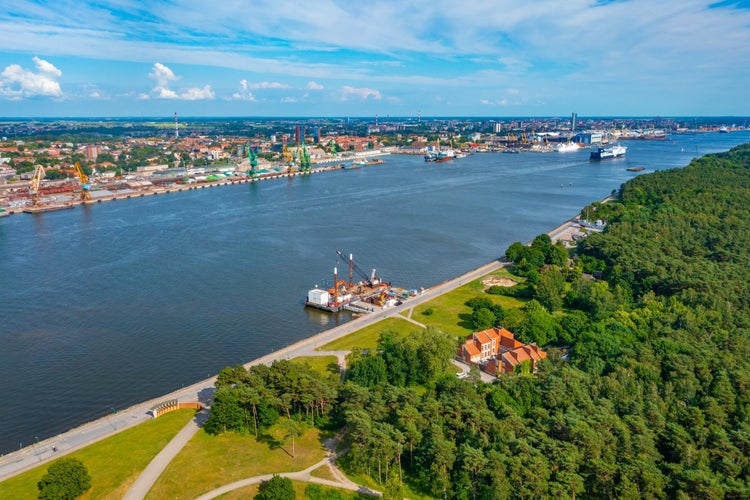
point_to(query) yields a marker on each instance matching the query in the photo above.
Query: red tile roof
(471, 349)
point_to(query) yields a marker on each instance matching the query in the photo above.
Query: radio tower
(176, 130)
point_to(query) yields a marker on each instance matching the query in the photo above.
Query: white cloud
(196, 94)
(269, 85)
(360, 93)
(314, 86)
(17, 82)
(163, 76)
(415, 49)
(288, 99)
(243, 94)
(499, 102)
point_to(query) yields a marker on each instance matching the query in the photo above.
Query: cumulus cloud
(269, 85)
(288, 99)
(359, 93)
(17, 82)
(164, 76)
(314, 86)
(243, 94)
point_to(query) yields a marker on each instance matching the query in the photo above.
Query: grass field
(449, 312)
(113, 463)
(325, 365)
(299, 489)
(367, 337)
(208, 462)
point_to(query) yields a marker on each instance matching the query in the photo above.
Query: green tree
(53, 174)
(368, 371)
(394, 489)
(482, 319)
(227, 413)
(276, 488)
(515, 252)
(549, 289)
(537, 325)
(315, 491)
(65, 479)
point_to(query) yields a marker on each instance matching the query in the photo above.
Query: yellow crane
(288, 158)
(36, 181)
(85, 186)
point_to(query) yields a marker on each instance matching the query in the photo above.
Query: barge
(365, 296)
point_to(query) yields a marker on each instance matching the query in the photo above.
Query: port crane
(369, 280)
(304, 161)
(288, 158)
(36, 181)
(253, 161)
(85, 186)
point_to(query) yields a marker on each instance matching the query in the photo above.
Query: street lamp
(36, 448)
(113, 422)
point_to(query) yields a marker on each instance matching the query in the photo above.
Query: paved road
(32, 456)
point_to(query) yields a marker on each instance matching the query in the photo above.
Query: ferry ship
(608, 152)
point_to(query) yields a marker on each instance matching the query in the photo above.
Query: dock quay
(112, 192)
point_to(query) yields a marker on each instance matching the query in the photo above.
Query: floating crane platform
(366, 296)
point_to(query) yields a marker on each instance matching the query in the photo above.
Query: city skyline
(284, 58)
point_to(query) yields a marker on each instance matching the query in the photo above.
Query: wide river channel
(108, 305)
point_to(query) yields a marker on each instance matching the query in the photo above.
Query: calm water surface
(105, 306)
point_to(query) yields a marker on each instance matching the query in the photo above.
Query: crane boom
(304, 160)
(36, 182)
(365, 277)
(253, 160)
(85, 186)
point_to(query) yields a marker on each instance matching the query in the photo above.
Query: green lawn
(299, 489)
(325, 365)
(367, 337)
(113, 463)
(451, 315)
(208, 462)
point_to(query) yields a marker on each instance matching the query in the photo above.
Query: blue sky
(386, 57)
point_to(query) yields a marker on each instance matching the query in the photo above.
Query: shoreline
(156, 190)
(29, 457)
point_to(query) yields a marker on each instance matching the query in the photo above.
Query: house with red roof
(497, 351)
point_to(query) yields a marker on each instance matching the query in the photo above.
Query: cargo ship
(440, 155)
(608, 152)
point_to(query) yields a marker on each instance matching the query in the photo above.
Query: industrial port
(39, 173)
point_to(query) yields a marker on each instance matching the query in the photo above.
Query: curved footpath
(32, 456)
